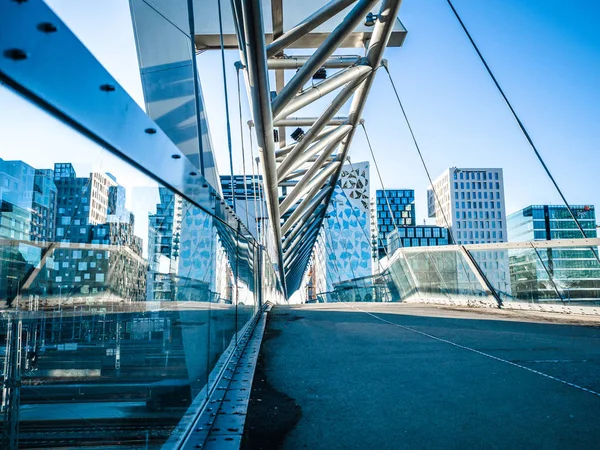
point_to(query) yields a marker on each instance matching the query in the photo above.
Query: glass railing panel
(401, 278)
(247, 298)
(443, 275)
(554, 275)
(116, 294)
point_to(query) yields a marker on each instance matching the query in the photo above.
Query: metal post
(258, 86)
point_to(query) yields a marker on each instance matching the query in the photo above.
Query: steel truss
(299, 178)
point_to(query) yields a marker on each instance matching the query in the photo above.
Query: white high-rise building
(471, 203)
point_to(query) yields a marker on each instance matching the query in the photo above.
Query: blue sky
(545, 54)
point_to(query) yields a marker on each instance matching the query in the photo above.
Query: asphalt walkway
(401, 376)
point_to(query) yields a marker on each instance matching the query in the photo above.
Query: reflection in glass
(118, 296)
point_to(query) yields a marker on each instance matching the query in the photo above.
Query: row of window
(466, 242)
(473, 205)
(477, 185)
(422, 232)
(99, 278)
(478, 235)
(397, 214)
(477, 214)
(409, 193)
(400, 223)
(382, 201)
(423, 242)
(476, 195)
(480, 175)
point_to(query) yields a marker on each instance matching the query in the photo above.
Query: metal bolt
(176, 156)
(150, 130)
(107, 88)
(193, 174)
(47, 27)
(16, 54)
(20, 1)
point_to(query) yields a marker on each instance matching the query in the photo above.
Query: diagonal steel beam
(307, 121)
(307, 25)
(318, 58)
(310, 202)
(282, 152)
(308, 183)
(295, 62)
(300, 226)
(325, 118)
(292, 163)
(321, 89)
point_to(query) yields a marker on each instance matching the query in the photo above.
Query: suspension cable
(237, 71)
(259, 185)
(414, 139)
(521, 126)
(233, 186)
(387, 201)
(435, 194)
(255, 185)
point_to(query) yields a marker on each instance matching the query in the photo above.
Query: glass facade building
(419, 236)
(567, 274)
(395, 208)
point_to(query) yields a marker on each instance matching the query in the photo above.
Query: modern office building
(471, 202)
(28, 199)
(102, 256)
(568, 274)
(417, 236)
(27, 213)
(250, 205)
(108, 260)
(82, 202)
(347, 227)
(395, 208)
(164, 234)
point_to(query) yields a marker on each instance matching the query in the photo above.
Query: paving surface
(407, 376)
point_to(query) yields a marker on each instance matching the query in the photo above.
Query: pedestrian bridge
(147, 303)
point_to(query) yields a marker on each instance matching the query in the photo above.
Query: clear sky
(545, 54)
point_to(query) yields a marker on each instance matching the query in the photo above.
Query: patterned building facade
(347, 227)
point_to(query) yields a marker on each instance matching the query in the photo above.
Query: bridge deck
(405, 376)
